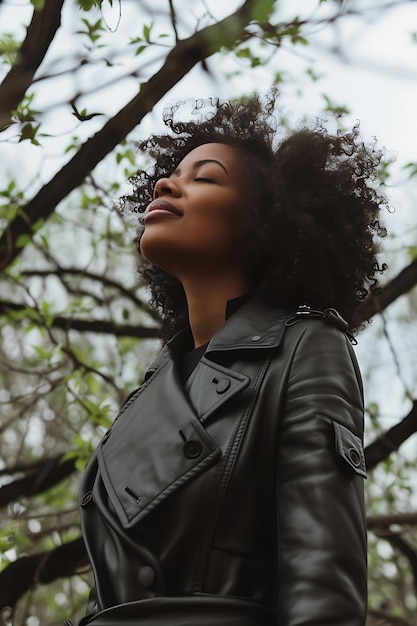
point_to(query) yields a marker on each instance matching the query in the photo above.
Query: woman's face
(195, 222)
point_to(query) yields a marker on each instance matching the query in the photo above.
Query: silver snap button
(256, 338)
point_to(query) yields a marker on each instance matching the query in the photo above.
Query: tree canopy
(81, 81)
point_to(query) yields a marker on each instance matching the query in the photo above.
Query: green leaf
(92, 383)
(262, 10)
(332, 107)
(412, 167)
(384, 170)
(57, 496)
(412, 251)
(38, 4)
(147, 32)
(293, 31)
(23, 240)
(38, 225)
(243, 53)
(93, 31)
(86, 5)
(373, 410)
(299, 39)
(313, 75)
(43, 354)
(8, 212)
(9, 47)
(45, 242)
(29, 132)
(46, 313)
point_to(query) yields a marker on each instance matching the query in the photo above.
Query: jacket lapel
(211, 385)
(156, 444)
(160, 439)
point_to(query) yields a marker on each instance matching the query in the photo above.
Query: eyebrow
(197, 164)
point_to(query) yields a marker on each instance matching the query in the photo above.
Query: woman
(230, 488)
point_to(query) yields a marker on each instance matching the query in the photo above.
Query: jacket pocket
(349, 449)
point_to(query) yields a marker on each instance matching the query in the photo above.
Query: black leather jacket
(238, 501)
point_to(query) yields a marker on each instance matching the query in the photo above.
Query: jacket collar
(255, 325)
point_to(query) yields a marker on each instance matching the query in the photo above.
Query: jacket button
(256, 338)
(87, 497)
(354, 457)
(146, 576)
(223, 385)
(192, 449)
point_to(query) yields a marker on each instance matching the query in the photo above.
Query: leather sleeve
(320, 469)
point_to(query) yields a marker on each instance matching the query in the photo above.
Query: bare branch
(22, 468)
(398, 542)
(106, 327)
(398, 286)
(381, 522)
(387, 618)
(100, 278)
(28, 571)
(50, 473)
(173, 19)
(178, 63)
(40, 33)
(391, 440)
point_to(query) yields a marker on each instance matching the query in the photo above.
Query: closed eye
(204, 180)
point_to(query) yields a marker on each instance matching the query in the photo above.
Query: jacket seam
(231, 456)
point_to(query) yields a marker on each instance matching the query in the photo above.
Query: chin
(151, 247)
(156, 254)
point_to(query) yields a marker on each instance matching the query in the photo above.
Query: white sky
(378, 84)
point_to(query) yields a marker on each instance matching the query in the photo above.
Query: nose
(166, 186)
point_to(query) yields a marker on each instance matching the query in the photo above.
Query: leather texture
(239, 499)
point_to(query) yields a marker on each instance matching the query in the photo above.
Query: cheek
(222, 220)
(230, 226)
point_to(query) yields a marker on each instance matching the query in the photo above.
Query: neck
(207, 300)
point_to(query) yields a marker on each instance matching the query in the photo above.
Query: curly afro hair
(315, 200)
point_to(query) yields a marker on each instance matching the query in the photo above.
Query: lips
(162, 205)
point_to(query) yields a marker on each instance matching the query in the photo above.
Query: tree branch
(50, 473)
(173, 19)
(180, 60)
(404, 547)
(22, 468)
(40, 33)
(106, 327)
(391, 440)
(381, 522)
(96, 277)
(398, 286)
(28, 571)
(385, 618)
